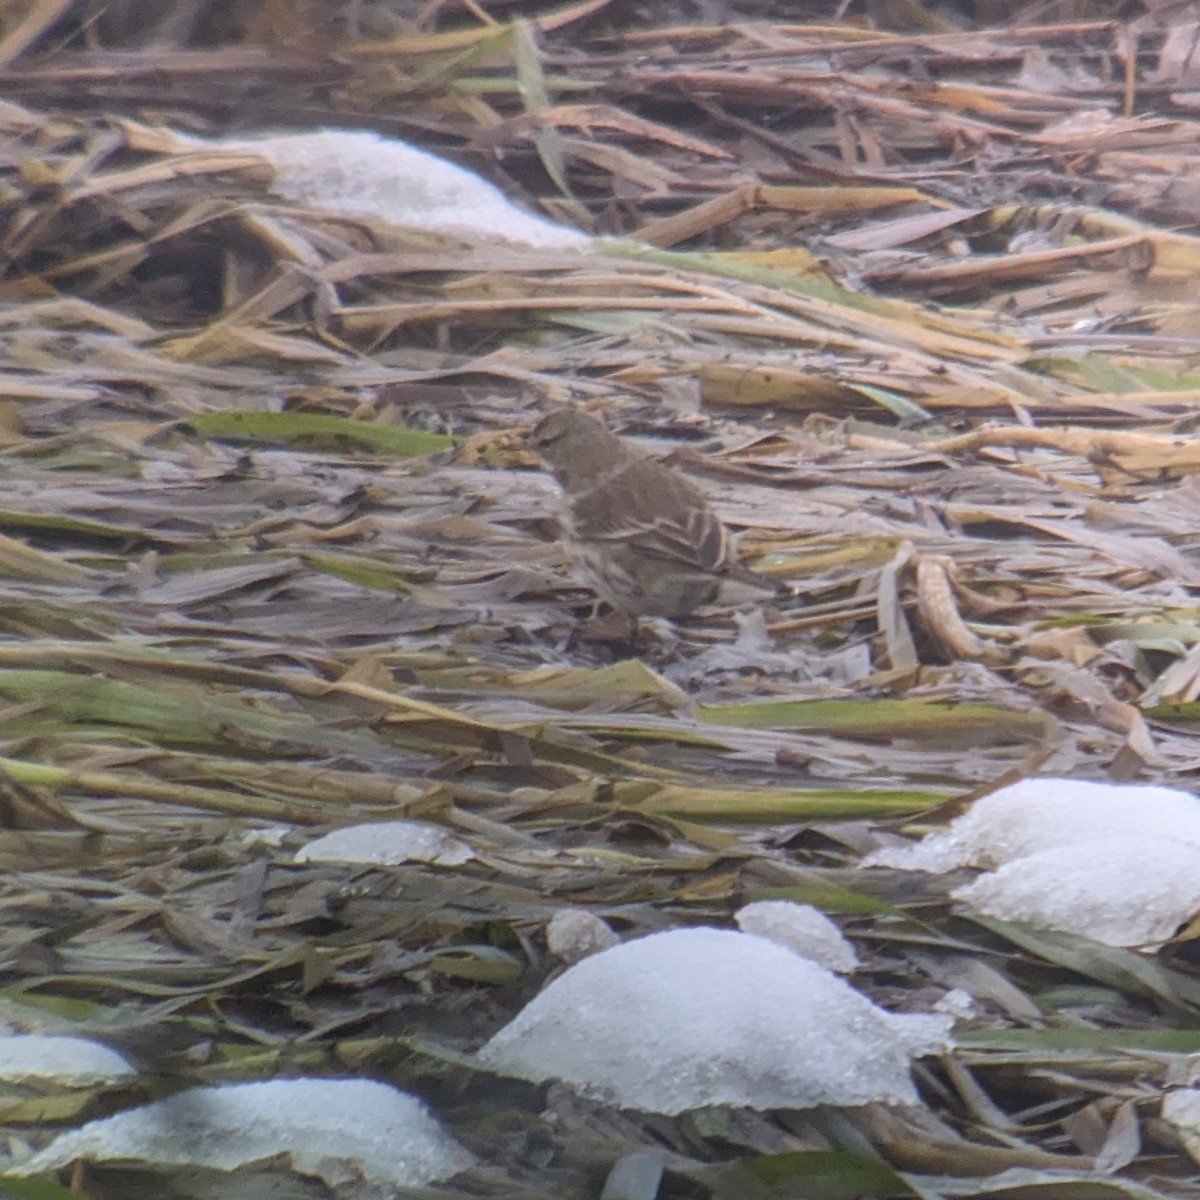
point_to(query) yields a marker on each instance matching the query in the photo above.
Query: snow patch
(388, 843)
(573, 933)
(959, 1004)
(1181, 1108)
(1112, 862)
(801, 928)
(339, 1130)
(698, 1017)
(1037, 814)
(72, 1061)
(1122, 891)
(359, 173)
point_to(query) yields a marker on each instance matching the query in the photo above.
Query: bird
(644, 535)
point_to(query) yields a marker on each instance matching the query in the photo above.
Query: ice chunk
(388, 843)
(339, 1130)
(1037, 814)
(271, 836)
(574, 933)
(699, 1017)
(360, 173)
(72, 1061)
(1134, 890)
(959, 1004)
(1181, 1108)
(1111, 862)
(802, 928)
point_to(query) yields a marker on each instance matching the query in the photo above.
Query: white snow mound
(802, 928)
(698, 1017)
(72, 1061)
(1039, 814)
(1134, 890)
(574, 933)
(358, 173)
(388, 843)
(1181, 1108)
(339, 1130)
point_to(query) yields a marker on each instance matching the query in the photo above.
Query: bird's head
(577, 447)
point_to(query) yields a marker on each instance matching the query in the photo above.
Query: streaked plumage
(647, 537)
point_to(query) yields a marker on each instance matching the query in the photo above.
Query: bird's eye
(545, 438)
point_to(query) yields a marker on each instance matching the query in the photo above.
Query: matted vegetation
(917, 306)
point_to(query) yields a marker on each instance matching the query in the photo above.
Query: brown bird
(644, 535)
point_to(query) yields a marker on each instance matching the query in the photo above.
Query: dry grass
(917, 307)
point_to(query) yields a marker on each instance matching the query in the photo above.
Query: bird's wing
(650, 508)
